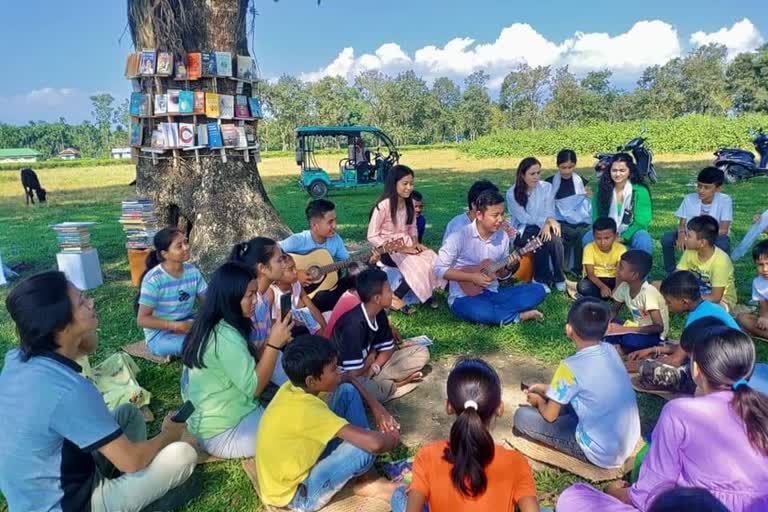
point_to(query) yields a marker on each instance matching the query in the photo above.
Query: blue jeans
(560, 434)
(640, 240)
(633, 341)
(499, 308)
(669, 240)
(166, 343)
(399, 501)
(340, 462)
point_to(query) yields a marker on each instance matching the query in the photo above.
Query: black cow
(30, 183)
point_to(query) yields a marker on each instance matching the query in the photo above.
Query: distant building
(119, 153)
(69, 154)
(19, 155)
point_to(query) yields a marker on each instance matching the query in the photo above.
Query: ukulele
(489, 268)
(324, 272)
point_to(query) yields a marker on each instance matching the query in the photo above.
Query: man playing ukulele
(474, 258)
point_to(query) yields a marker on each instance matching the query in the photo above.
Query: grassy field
(443, 176)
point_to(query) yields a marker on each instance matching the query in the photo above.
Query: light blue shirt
(597, 386)
(707, 308)
(465, 248)
(540, 207)
(303, 243)
(456, 224)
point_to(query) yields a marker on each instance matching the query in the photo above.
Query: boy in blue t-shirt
(418, 208)
(660, 367)
(589, 410)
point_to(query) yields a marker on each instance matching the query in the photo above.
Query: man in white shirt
(478, 242)
(707, 200)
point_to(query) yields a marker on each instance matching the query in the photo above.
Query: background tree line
(412, 111)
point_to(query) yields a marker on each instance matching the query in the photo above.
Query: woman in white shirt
(531, 206)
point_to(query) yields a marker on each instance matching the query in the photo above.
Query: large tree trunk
(217, 203)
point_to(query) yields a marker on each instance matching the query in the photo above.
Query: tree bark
(217, 203)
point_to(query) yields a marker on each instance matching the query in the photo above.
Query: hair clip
(470, 404)
(739, 383)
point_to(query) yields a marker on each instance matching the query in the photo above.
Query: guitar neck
(335, 267)
(495, 267)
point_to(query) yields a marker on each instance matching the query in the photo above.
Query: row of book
(188, 135)
(210, 104)
(73, 236)
(192, 66)
(139, 223)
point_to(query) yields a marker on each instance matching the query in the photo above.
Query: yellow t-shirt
(716, 272)
(647, 299)
(604, 262)
(294, 431)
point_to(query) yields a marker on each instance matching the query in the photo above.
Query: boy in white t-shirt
(707, 200)
(757, 324)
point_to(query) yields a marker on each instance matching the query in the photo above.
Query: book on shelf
(256, 148)
(226, 106)
(250, 134)
(211, 104)
(173, 101)
(139, 105)
(194, 65)
(214, 135)
(242, 140)
(170, 134)
(223, 64)
(164, 64)
(158, 139)
(180, 69)
(186, 135)
(161, 104)
(147, 63)
(229, 134)
(132, 65)
(241, 106)
(245, 66)
(255, 106)
(209, 64)
(199, 103)
(202, 135)
(186, 102)
(136, 133)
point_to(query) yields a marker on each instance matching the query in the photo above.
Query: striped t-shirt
(171, 298)
(355, 336)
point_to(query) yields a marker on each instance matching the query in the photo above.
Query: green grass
(94, 194)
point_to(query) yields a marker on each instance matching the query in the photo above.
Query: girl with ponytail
(717, 441)
(468, 471)
(169, 287)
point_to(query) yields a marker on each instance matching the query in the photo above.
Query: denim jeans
(166, 343)
(399, 501)
(669, 240)
(633, 341)
(641, 240)
(587, 288)
(499, 308)
(560, 434)
(340, 462)
(548, 259)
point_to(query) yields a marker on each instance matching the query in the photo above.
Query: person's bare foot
(397, 303)
(414, 377)
(533, 314)
(371, 485)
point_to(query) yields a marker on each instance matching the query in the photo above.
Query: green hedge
(688, 134)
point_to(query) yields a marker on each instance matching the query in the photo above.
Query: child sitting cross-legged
(308, 318)
(307, 449)
(366, 344)
(711, 264)
(650, 318)
(757, 325)
(468, 471)
(601, 258)
(589, 410)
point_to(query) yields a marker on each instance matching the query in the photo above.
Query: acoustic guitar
(324, 272)
(489, 267)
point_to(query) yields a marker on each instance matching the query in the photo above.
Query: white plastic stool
(81, 268)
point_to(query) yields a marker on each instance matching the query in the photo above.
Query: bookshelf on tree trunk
(214, 193)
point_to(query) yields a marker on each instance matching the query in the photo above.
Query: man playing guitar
(475, 257)
(321, 216)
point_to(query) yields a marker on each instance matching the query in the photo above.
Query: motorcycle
(642, 155)
(739, 164)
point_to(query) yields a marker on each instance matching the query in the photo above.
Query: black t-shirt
(354, 336)
(566, 187)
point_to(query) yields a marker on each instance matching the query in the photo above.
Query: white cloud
(627, 54)
(49, 96)
(743, 36)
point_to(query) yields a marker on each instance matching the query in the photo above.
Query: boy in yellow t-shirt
(307, 449)
(711, 265)
(601, 257)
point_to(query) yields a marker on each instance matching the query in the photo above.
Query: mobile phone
(524, 386)
(183, 413)
(285, 305)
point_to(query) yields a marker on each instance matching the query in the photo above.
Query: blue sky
(58, 53)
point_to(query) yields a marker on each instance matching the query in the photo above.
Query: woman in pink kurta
(393, 218)
(717, 442)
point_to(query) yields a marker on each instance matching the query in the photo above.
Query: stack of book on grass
(139, 223)
(73, 236)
